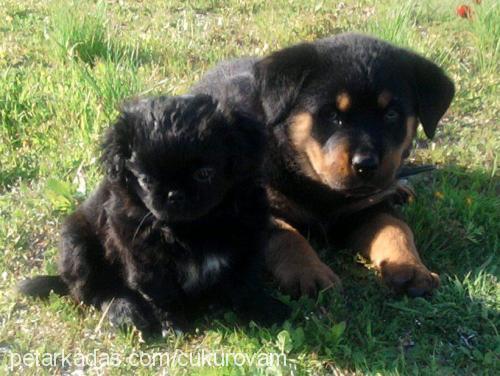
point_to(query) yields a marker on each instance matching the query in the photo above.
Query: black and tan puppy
(181, 216)
(341, 114)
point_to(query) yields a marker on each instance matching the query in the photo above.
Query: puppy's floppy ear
(434, 92)
(247, 143)
(280, 77)
(118, 139)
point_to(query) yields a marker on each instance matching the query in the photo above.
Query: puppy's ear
(434, 93)
(280, 77)
(117, 143)
(247, 143)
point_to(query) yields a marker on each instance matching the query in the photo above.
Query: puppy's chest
(284, 208)
(201, 262)
(203, 272)
(195, 264)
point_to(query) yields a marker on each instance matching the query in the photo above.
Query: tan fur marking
(411, 127)
(295, 264)
(343, 101)
(384, 99)
(393, 159)
(331, 166)
(388, 243)
(316, 163)
(337, 160)
(308, 148)
(388, 238)
(316, 157)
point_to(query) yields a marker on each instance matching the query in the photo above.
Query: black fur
(180, 217)
(280, 78)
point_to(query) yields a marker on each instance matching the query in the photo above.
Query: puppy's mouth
(178, 215)
(174, 217)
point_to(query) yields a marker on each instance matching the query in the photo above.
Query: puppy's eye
(335, 119)
(391, 116)
(204, 174)
(334, 116)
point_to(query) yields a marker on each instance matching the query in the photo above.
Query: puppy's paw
(307, 279)
(123, 312)
(167, 328)
(413, 279)
(174, 324)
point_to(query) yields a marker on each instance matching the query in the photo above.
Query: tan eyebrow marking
(384, 99)
(343, 101)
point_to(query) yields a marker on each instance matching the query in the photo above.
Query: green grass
(66, 66)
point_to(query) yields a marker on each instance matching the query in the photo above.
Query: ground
(65, 66)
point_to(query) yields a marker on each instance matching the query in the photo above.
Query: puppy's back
(232, 83)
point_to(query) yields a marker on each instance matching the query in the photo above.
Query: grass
(66, 66)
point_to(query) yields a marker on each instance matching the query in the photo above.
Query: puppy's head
(350, 105)
(179, 156)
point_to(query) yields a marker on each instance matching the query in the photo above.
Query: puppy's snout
(364, 164)
(175, 197)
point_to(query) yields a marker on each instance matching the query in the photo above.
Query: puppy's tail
(41, 286)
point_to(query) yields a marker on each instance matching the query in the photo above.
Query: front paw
(308, 280)
(413, 279)
(174, 323)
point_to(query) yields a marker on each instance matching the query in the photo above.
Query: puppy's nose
(364, 164)
(175, 197)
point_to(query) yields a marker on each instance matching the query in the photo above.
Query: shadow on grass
(456, 223)
(368, 328)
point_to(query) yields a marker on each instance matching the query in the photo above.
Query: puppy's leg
(82, 263)
(250, 298)
(169, 300)
(295, 264)
(388, 243)
(92, 280)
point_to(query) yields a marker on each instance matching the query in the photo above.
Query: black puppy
(181, 216)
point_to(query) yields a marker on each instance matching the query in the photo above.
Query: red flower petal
(464, 11)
